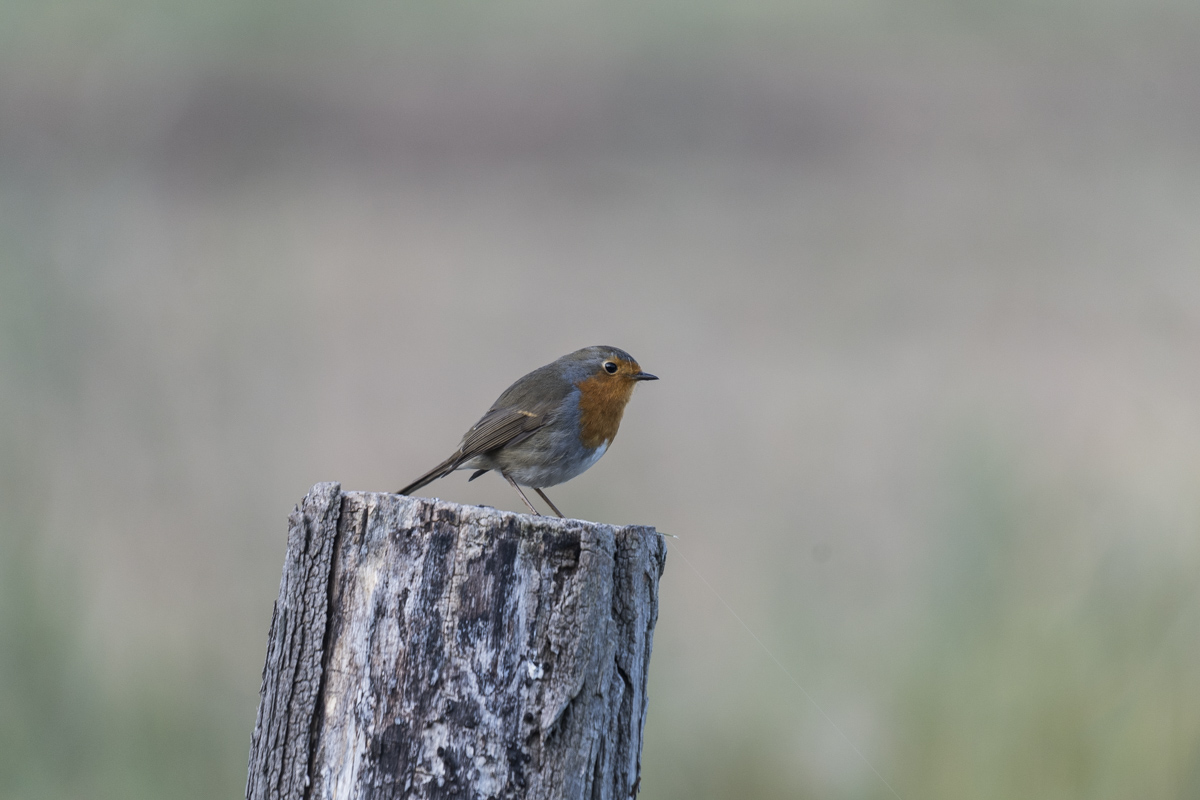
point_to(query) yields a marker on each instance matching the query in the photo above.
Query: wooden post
(423, 649)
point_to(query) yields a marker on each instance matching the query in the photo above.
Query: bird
(551, 425)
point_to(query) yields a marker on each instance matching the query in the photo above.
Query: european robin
(550, 425)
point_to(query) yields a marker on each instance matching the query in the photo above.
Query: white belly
(557, 472)
(593, 458)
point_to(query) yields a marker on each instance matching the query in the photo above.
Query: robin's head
(605, 379)
(610, 364)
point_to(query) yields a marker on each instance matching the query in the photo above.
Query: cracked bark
(422, 649)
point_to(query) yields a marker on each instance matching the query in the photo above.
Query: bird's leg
(547, 499)
(523, 497)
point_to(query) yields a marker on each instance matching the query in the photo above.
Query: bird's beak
(645, 376)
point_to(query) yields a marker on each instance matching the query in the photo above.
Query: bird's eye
(610, 368)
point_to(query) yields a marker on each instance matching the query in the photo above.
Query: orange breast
(602, 401)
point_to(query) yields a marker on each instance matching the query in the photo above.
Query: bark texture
(422, 649)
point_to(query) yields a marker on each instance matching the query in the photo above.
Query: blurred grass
(68, 733)
(1030, 682)
(232, 237)
(1025, 676)
(69, 730)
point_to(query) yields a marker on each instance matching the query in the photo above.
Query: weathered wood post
(422, 649)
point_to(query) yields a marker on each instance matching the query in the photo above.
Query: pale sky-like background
(921, 282)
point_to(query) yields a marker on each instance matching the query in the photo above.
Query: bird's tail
(440, 471)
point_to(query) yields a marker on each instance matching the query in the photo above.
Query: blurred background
(921, 280)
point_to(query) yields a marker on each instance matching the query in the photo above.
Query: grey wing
(500, 427)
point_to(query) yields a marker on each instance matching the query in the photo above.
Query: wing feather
(499, 427)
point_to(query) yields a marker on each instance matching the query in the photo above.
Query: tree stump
(423, 649)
